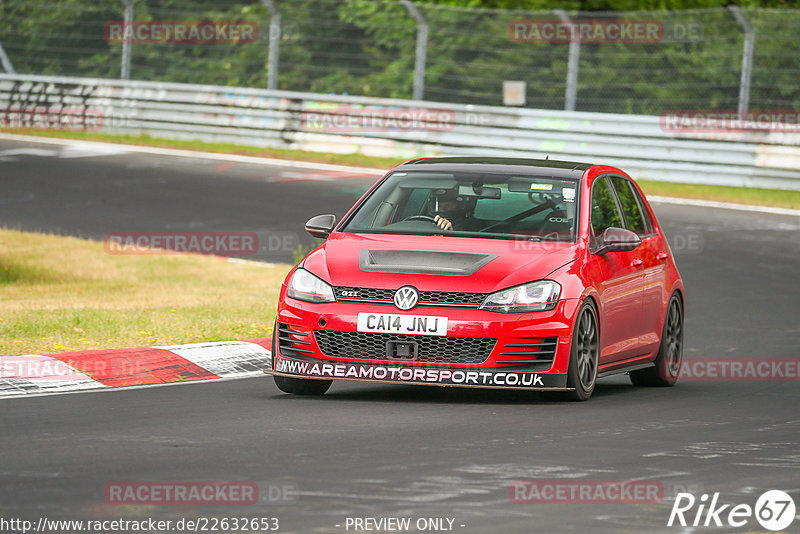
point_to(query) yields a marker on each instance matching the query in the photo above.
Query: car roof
(555, 168)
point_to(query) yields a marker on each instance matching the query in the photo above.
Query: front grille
(292, 341)
(540, 352)
(426, 298)
(363, 293)
(451, 297)
(430, 349)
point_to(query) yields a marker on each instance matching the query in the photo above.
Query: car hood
(435, 262)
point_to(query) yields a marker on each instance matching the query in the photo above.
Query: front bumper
(418, 375)
(510, 363)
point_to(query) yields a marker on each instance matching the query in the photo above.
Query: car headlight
(536, 296)
(306, 286)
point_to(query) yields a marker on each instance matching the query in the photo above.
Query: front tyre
(670, 353)
(302, 386)
(584, 354)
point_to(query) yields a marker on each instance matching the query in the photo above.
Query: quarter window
(605, 212)
(632, 207)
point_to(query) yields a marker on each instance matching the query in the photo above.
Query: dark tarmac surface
(380, 451)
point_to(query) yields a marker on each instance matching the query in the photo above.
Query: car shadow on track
(448, 395)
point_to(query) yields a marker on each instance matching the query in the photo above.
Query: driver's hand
(443, 223)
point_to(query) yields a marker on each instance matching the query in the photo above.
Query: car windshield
(500, 206)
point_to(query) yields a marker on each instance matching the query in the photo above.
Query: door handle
(637, 262)
(662, 256)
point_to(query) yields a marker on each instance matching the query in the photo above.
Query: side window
(648, 222)
(631, 206)
(604, 208)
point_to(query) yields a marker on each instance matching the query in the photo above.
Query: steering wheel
(420, 218)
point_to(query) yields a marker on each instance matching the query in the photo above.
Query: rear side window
(605, 213)
(632, 206)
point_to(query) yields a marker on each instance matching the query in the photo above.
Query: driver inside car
(453, 211)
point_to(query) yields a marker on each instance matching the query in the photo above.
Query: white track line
(247, 262)
(105, 389)
(344, 168)
(196, 154)
(723, 205)
(34, 375)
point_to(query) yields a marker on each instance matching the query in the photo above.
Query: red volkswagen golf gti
(490, 273)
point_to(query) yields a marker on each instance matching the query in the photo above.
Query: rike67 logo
(774, 510)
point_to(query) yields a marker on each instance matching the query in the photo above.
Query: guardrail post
(747, 58)
(571, 94)
(7, 66)
(125, 69)
(274, 43)
(422, 49)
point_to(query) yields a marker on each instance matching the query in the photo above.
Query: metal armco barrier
(645, 146)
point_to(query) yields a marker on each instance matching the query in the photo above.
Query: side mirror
(618, 240)
(321, 225)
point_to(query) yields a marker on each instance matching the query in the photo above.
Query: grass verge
(62, 294)
(776, 198)
(742, 195)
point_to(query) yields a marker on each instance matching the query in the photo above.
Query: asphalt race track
(91, 192)
(383, 451)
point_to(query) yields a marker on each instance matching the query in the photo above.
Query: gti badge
(406, 297)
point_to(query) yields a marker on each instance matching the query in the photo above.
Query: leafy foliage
(364, 47)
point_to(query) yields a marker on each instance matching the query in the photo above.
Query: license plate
(389, 323)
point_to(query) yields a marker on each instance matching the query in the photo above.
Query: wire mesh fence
(621, 62)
